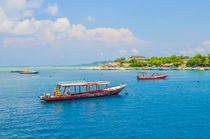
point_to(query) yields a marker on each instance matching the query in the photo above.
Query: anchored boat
(81, 89)
(25, 71)
(144, 76)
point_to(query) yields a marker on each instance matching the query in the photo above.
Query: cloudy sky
(68, 32)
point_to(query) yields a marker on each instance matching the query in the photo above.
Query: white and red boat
(144, 76)
(81, 89)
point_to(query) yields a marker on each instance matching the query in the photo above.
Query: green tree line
(197, 60)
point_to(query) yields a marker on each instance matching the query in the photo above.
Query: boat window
(61, 89)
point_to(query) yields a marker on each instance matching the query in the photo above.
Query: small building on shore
(167, 65)
(126, 64)
(139, 58)
(113, 64)
(117, 64)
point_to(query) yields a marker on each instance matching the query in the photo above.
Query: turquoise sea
(178, 107)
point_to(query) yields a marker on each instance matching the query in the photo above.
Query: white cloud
(204, 49)
(52, 9)
(16, 9)
(198, 50)
(113, 36)
(5, 23)
(79, 32)
(61, 30)
(25, 27)
(122, 52)
(135, 51)
(21, 4)
(90, 19)
(61, 25)
(18, 42)
(206, 43)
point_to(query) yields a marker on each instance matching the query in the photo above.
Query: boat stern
(41, 97)
(45, 96)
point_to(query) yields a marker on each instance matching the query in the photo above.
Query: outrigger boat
(81, 89)
(143, 76)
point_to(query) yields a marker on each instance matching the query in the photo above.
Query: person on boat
(69, 92)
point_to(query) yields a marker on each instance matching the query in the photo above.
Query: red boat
(143, 76)
(79, 90)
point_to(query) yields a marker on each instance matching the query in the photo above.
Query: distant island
(173, 62)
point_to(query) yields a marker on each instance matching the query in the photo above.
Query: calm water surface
(178, 107)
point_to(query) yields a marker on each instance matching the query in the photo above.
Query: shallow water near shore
(177, 107)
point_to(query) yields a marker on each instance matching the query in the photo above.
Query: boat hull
(92, 94)
(15, 71)
(35, 72)
(152, 78)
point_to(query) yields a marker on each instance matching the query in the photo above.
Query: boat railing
(82, 82)
(71, 82)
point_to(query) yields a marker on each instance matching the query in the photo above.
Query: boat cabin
(80, 90)
(79, 87)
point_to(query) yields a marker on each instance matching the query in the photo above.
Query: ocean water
(178, 107)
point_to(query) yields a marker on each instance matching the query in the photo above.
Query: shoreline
(100, 68)
(144, 68)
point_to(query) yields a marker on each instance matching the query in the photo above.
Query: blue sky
(67, 32)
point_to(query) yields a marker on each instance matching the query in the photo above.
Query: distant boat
(143, 76)
(77, 88)
(25, 71)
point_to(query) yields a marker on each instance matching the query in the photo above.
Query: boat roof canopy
(146, 72)
(81, 83)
